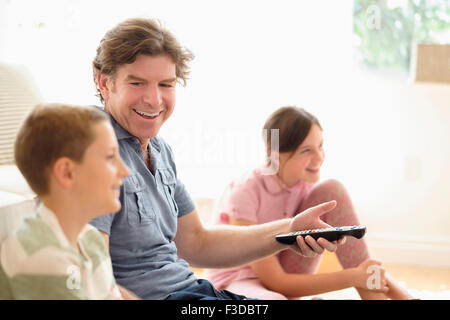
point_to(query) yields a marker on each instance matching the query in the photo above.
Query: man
(158, 231)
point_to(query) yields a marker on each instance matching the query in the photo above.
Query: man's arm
(228, 246)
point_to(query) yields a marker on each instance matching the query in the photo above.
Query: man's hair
(293, 124)
(123, 43)
(49, 132)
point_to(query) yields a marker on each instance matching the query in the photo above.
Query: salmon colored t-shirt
(257, 198)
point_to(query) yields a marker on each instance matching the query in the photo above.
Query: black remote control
(331, 234)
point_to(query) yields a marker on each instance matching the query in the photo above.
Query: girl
(291, 188)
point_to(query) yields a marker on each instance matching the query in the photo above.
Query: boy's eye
(136, 84)
(166, 85)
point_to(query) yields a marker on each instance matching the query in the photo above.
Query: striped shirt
(38, 262)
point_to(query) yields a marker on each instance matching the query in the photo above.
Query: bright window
(386, 30)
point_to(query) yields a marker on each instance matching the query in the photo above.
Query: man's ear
(105, 84)
(63, 172)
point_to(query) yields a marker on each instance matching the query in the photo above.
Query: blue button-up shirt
(143, 253)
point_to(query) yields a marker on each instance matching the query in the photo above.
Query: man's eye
(166, 85)
(136, 84)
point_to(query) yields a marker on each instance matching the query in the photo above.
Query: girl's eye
(111, 156)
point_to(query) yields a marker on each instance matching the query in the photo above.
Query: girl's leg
(253, 288)
(354, 251)
(350, 254)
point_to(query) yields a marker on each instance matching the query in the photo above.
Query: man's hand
(310, 219)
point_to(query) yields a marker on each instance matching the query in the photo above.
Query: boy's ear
(63, 172)
(104, 85)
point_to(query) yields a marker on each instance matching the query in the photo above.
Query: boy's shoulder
(34, 248)
(34, 234)
(94, 244)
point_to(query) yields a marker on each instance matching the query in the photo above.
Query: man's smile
(147, 115)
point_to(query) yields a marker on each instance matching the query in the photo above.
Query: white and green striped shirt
(38, 262)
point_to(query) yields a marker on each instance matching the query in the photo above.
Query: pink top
(258, 198)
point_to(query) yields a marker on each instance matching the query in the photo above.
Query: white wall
(390, 146)
(386, 139)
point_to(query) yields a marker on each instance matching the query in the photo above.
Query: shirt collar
(51, 220)
(275, 186)
(121, 133)
(49, 217)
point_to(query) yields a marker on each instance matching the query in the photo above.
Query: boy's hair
(293, 123)
(122, 44)
(49, 132)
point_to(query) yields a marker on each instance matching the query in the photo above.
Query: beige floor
(420, 278)
(422, 282)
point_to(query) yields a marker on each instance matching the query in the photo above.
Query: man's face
(141, 96)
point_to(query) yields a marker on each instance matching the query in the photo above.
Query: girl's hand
(370, 275)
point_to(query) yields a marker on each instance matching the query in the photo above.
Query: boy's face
(141, 96)
(99, 176)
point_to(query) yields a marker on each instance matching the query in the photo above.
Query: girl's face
(305, 162)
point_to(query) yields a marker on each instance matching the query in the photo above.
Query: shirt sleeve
(183, 199)
(104, 222)
(242, 202)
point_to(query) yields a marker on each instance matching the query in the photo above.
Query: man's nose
(153, 96)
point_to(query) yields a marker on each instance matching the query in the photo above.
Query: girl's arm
(224, 246)
(272, 275)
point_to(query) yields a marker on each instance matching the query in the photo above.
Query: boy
(69, 157)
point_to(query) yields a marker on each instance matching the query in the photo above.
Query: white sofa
(16, 199)
(18, 95)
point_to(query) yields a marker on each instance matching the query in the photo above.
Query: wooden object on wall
(431, 63)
